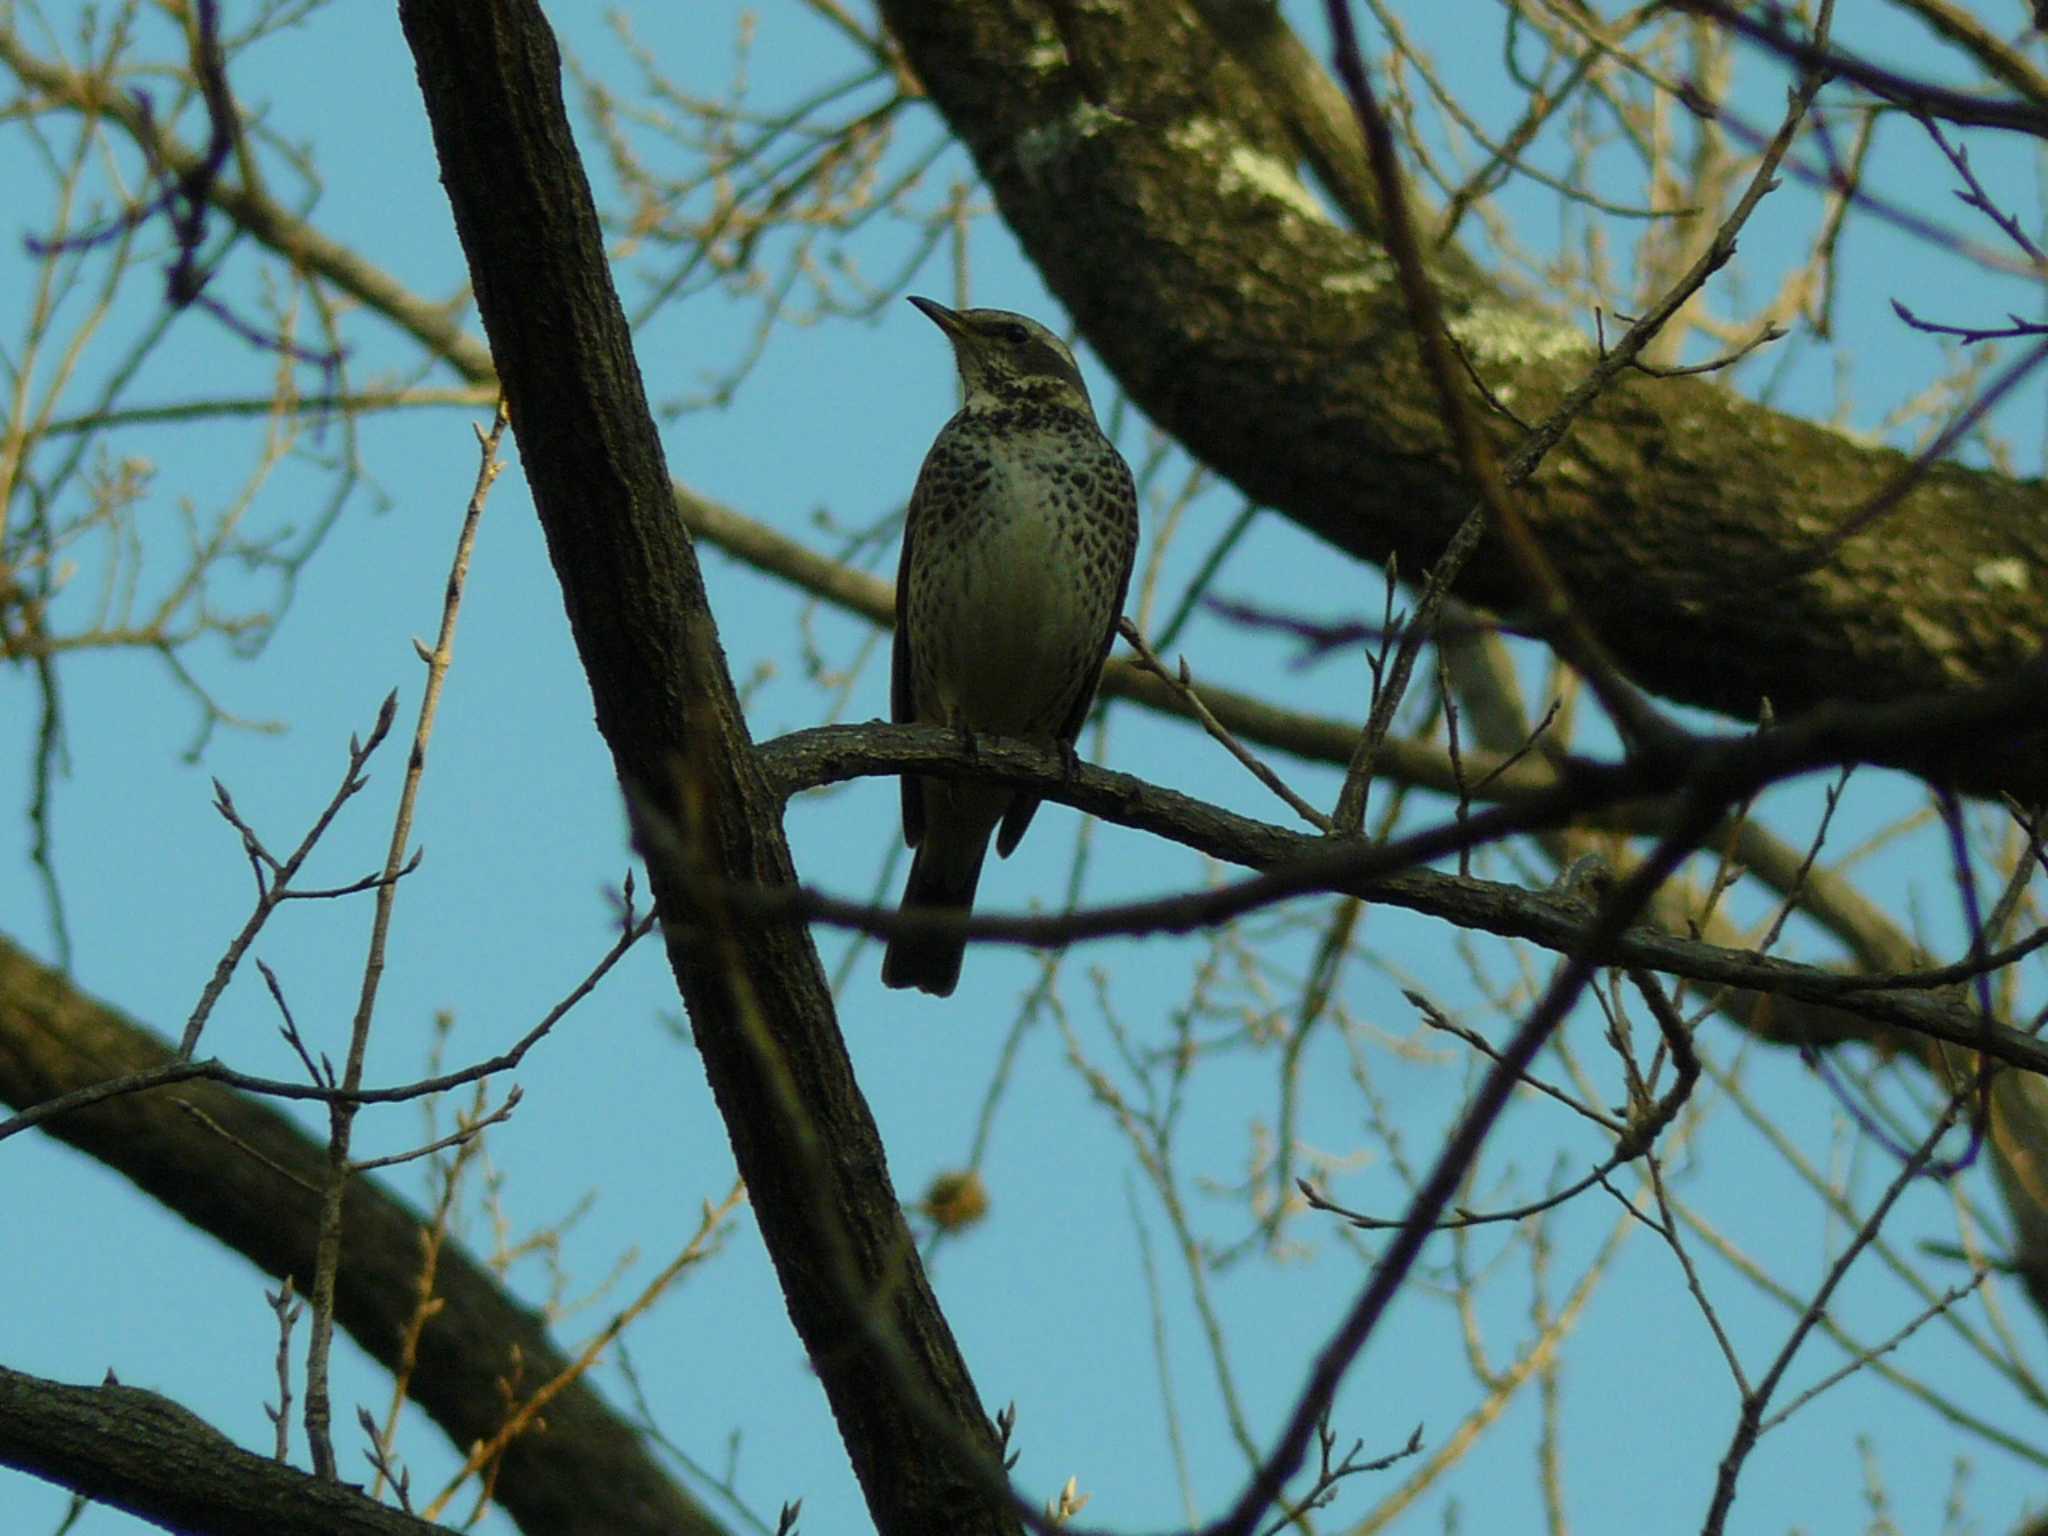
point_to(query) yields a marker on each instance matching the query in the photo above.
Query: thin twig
(1750, 1424)
(287, 1308)
(274, 877)
(1182, 683)
(485, 1453)
(341, 1113)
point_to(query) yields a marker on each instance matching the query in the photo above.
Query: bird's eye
(1014, 334)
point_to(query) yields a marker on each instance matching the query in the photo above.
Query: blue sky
(524, 842)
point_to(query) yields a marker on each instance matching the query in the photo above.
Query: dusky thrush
(1017, 553)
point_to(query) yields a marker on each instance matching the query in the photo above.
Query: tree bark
(805, 1141)
(140, 1452)
(1154, 185)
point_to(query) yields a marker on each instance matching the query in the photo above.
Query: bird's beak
(947, 320)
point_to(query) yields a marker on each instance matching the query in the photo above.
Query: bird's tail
(943, 875)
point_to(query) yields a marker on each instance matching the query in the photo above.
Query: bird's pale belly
(1022, 632)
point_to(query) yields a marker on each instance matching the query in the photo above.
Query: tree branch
(143, 1453)
(762, 1015)
(1390, 873)
(1274, 344)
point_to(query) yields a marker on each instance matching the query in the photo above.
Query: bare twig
(274, 877)
(635, 928)
(710, 1229)
(1183, 684)
(1750, 1423)
(341, 1113)
(288, 1309)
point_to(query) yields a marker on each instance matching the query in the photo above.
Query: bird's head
(1008, 359)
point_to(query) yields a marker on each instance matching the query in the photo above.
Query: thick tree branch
(762, 1016)
(143, 1453)
(1167, 216)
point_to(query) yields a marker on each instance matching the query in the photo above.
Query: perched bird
(1017, 554)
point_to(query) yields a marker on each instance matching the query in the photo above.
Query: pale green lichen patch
(1370, 278)
(1048, 51)
(2009, 573)
(1499, 333)
(1938, 638)
(1243, 169)
(1046, 55)
(1051, 142)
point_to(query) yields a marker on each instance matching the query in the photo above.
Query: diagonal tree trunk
(762, 1017)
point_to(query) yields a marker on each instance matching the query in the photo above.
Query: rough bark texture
(143, 1453)
(1155, 188)
(762, 1016)
(589, 1473)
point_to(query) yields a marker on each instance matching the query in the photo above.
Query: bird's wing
(902, 693)
(1070, 728)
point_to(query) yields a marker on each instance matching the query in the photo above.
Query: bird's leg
(1070, 761)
